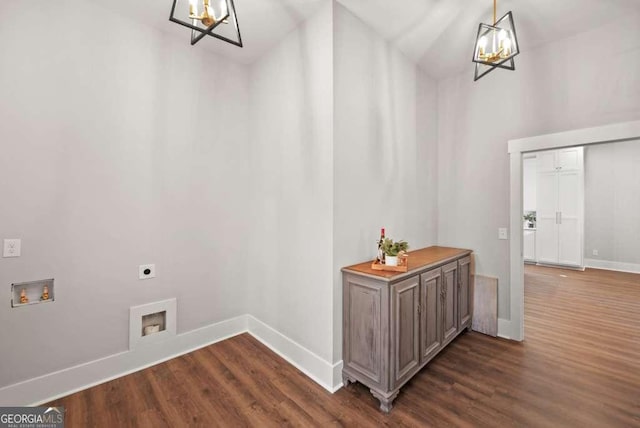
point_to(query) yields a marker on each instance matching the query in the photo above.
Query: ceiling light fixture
(215, 18)
(496, 45)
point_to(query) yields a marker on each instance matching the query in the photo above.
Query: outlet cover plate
(503, 233)
(12, 248)
(147, 271)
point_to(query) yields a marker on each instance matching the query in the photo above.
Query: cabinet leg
(346, 379)
(386, 401)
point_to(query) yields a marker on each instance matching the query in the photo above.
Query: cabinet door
(570, 187)
(560, 160)
(465, 300)
(570, 159)
(546, 161)
(547, 218)
(529, 245)
(430, 314)
(449, 301)
(364, 342)
(405, 298)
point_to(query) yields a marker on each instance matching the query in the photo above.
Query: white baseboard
(337, 376)
(318, 369)
(58, 384)
(504, 328)
(609, 265)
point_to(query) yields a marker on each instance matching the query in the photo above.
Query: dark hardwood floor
(578, 367)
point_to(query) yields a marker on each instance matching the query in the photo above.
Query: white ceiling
(262, 23)
(439, 35)
(436, 34)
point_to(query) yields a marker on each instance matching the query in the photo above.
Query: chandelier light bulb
(506, 48)
(482, 45)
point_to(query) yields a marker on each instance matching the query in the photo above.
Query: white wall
(290, 268)
(612, 202)
(384, 150)
(117, 147)
(554, 88)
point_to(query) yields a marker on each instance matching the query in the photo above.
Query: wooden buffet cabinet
(395, 323)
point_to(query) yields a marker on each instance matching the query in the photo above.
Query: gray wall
(553, 89)
(291, 122)
(612, 202)
(118, 147)
(322, 192)
(384, 150)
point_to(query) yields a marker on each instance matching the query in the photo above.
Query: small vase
(391, 260)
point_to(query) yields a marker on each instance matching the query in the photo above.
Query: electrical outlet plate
(595, 252)
(502, 233)
(12, 248)
(146, 271)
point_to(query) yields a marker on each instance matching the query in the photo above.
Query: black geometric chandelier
(496, 45)
(215, 18)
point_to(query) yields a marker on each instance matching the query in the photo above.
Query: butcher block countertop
(419, 260)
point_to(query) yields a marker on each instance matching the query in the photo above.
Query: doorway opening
(581, 243)
(629, 131)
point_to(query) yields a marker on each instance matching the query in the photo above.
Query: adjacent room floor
(579, 366)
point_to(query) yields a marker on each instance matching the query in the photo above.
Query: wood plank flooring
(578, 367)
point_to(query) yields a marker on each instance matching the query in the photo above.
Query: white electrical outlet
(502, 233)
(146, 271)
(12, 248)
(595, 252)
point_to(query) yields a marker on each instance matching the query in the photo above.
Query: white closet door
(546, 161)
(547, 227)
(570, 227)
(570, 159)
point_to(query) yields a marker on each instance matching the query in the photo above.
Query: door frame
(618, 132)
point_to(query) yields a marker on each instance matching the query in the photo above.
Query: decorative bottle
(380, 251)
